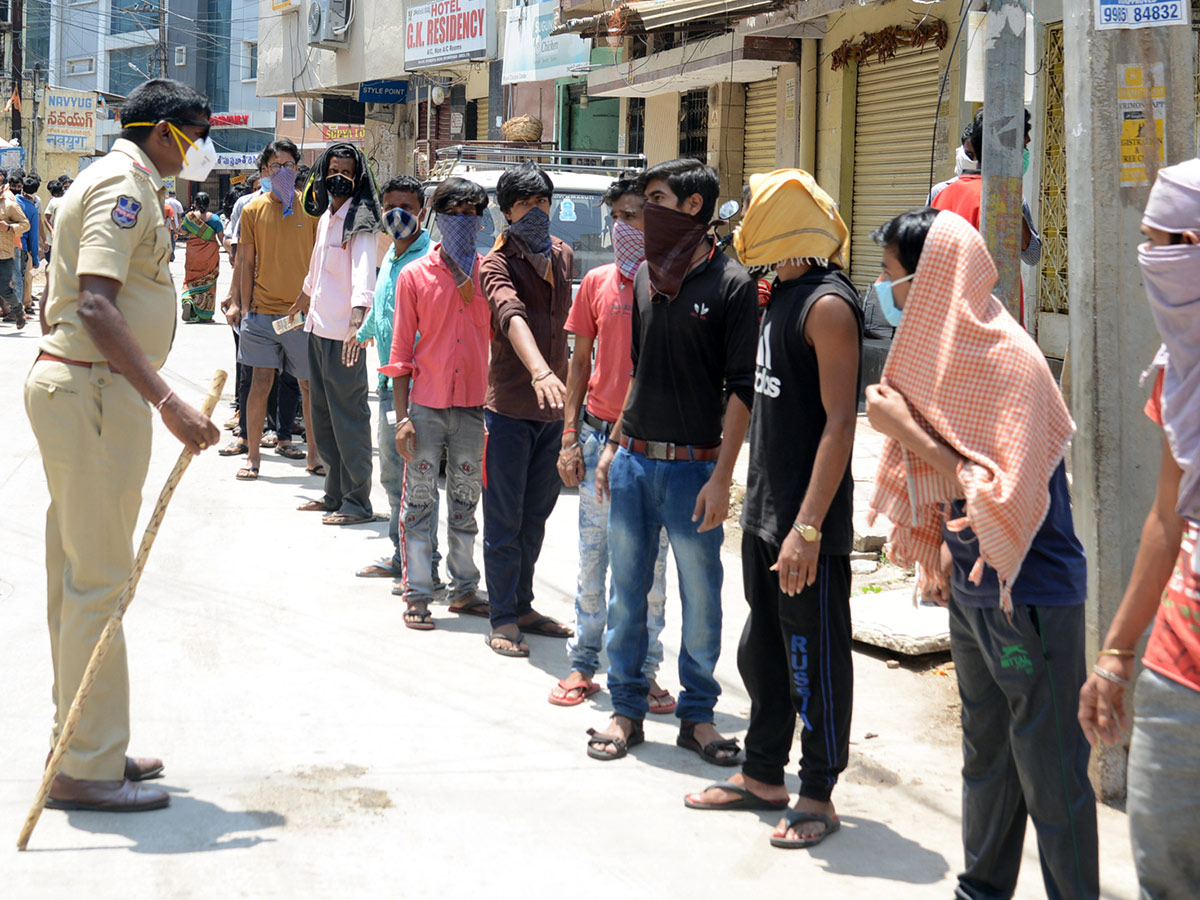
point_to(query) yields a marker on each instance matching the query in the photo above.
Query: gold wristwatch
(807, 532)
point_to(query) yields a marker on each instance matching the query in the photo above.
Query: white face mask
(198, 159)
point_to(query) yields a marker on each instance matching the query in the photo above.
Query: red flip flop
(588, 690)
(664, 708)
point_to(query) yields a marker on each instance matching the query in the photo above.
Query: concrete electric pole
(1004, 143)
(1129, 108)
(18, 19)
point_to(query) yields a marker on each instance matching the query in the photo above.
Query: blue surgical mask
(264, 184)
(883, 291)
(1025, 161)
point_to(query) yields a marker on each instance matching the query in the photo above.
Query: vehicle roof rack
(592, 162)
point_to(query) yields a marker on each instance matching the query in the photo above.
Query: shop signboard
(448, 31)
(531, 53)
(69, 121)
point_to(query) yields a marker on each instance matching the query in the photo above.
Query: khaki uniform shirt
(11, 212)
(111, 224)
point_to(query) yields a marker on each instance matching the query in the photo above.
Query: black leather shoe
(142, 768)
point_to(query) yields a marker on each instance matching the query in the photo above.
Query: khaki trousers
(93, 430)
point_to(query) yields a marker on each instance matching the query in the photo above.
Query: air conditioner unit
(381, 112)
(328, 24)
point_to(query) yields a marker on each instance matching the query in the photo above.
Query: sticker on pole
(1142, 104)
(1139, 13)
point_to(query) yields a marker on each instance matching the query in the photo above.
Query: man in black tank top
(795, 651)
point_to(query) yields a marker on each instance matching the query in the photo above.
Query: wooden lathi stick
(114, 623)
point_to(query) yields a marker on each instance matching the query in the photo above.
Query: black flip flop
(538, 626)
(423, 621)
(794, 817)
(636, 736)
(520, 654)
(747, 799)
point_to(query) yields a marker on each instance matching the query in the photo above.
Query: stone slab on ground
(890, 621)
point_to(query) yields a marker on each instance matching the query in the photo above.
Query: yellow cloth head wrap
(790, 218)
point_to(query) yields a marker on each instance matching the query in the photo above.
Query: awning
(724, 57)
(647, 15)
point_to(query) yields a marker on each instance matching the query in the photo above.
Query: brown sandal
(597, 739)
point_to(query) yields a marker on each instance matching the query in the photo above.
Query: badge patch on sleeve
(126, 211)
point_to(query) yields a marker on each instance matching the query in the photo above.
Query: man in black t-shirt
(795, 652)
(693, 349)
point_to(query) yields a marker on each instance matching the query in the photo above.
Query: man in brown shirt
(527, 281)
(13, 224)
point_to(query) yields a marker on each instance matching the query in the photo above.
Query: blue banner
(383, 92)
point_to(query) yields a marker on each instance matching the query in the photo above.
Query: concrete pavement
(315, 748)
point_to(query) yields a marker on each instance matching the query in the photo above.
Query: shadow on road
(871, 849)
(188, 825)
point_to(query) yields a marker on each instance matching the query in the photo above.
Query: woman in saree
(201, 261)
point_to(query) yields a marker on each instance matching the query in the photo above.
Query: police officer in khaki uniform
(108, 325)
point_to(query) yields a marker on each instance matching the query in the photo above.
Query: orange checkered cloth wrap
(977, 381)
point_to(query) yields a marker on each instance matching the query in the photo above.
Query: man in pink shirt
(439, 297)
(335, 298)
(602, 315)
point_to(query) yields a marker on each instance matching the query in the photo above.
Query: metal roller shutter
(481, 119)
(761, 129)
(895, 113)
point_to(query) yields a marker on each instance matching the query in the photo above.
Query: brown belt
(671, 452)
(50, 357)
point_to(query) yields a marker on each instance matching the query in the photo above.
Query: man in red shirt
(602, 316)
(964, 194)
(439, 296)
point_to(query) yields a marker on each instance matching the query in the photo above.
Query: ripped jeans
(459, 431)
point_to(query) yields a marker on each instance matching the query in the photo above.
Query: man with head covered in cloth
(797, 518)
(1164, 778)
(972, 477)
(335, 298)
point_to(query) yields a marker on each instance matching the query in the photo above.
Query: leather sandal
(708, 753)
(597, 739)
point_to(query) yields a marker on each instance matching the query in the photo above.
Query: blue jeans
(647, 496)
(591, 602)
(459, 432)
(521, 486)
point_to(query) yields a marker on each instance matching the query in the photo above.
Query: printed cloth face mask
(533, 229)
(401, 224)
(629, 247)
(283, 185)
(883, 290)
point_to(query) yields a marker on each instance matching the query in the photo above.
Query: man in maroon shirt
(527, 281)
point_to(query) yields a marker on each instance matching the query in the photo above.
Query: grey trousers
(1164, 788)
(1024, 753)
(341, 424)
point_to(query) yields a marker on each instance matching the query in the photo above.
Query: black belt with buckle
(596, 422)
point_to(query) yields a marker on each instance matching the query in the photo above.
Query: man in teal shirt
(403, 210)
